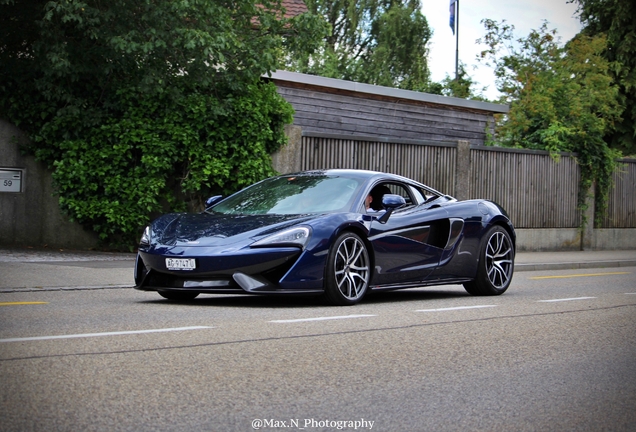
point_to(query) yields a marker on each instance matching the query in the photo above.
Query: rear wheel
(496, 264)
(347, 271)
(178, 295)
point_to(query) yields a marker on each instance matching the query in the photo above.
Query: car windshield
(292, 195)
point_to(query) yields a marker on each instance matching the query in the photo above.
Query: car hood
(202, 229)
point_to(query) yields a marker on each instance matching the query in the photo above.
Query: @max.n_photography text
(303, 424)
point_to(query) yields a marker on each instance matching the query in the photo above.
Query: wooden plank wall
(345, 114)
(621, 212)
(536, 191)
(433, 165)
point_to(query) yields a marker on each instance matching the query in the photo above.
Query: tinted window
(398, 189)
(292, 195)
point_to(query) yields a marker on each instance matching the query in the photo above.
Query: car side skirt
(391, 287)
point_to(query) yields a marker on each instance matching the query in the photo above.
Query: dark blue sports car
(339, 233)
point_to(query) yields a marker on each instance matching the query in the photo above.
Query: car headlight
(145, 237)
(297, 236)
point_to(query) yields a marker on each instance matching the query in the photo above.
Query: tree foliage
(382, 42)
(463, 86)
(561, 99)
(616, 20)
(140, 107)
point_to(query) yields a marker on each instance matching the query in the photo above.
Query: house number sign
(10, 180)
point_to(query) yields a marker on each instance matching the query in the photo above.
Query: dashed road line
(578, 275)
(455, 308)
(565, 299)
(88, 335)
(20, 303)
(321, 318)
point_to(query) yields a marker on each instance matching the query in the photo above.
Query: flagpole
(457, 40)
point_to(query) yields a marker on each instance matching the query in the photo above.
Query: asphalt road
(556, 352)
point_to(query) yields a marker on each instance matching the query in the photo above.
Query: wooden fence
(536, 190)
(621, 212)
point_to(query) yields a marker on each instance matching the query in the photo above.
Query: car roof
(354, 173)
(358, 174)
(363, 174)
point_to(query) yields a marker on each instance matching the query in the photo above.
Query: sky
(524, 15)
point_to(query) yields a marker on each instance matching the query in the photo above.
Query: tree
(615, 19)
(460, 87)
(143, 107)
(561, 99)
(381, 42)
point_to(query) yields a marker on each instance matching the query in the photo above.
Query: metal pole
(457, 40)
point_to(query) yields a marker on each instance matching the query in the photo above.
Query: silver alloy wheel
(499, 260)
(351, 268)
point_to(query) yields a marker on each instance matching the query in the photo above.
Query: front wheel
(347, 271)
(496, 264)
(178, 295)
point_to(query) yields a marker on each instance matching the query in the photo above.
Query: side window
(398, 189)
(411, 196)
(418, 194)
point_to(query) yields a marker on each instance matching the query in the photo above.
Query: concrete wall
(569, 239)
(613, 238)
(548, 239)
(33, 217)
(287, 159)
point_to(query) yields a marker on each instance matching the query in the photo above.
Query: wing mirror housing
(391, 202)
(212, 200)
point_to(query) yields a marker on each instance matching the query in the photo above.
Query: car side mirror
(391, 202)
(212, 200)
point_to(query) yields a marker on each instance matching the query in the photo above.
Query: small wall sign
(11, 180)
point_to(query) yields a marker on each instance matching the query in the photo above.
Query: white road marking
(455, 308)
(87, 335)
(566, 299)
(321, 318)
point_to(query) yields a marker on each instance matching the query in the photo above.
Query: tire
(178, 295)
(348, 270)
(496, 264)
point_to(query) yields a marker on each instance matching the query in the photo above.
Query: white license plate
(180, 263)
